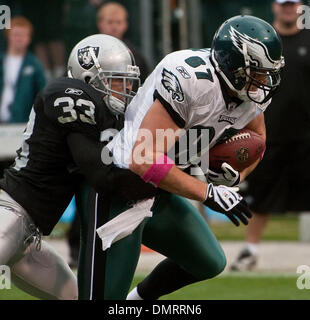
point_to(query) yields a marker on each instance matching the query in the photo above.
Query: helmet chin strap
(115, 105)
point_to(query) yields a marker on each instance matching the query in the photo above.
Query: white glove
(229, 202)
(228, 176)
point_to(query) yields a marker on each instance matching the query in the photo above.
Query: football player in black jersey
(38, 187)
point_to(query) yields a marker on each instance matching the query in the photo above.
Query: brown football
(240, 151)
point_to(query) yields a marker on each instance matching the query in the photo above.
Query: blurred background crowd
(155, 27)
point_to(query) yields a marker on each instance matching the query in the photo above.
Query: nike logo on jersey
(183, 72)
(172, 85)
(77, 92)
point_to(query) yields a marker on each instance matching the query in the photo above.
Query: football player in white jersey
(223, 90)
(218, 91)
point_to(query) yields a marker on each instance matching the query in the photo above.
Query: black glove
(227, 201)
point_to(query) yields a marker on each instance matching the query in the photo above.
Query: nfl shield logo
(85, 58)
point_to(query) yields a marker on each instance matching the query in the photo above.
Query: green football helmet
(247, 53)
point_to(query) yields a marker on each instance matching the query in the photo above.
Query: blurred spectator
(278, 184)
(112, 19)
(21, 76)
(48, 44)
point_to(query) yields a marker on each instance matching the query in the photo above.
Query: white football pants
(35, 266)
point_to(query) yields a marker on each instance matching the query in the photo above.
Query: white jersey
(186, 84)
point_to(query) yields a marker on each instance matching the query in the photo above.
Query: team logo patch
(224, 118)
(183, 72)
(242, 154)
(172, 85)
(84, 57)
(77, 92)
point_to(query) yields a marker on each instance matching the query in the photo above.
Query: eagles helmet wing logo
(255, 49)
(172, 85)
(84, 57)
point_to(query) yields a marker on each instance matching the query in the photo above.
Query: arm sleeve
(103, 178)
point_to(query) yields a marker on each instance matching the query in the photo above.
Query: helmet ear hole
(87, 79)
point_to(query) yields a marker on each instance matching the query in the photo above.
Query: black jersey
(43, 179)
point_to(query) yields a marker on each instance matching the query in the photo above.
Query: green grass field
(245, 286)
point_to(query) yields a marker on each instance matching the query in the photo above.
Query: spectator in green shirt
(21, 74)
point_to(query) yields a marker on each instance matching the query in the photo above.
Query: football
(240, 151)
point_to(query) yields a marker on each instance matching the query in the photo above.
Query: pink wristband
(158, 170)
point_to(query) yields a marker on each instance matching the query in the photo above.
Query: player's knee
(219, 265)
(213, 267)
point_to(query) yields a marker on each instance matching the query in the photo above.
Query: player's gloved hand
(228, 201)
(228, 176)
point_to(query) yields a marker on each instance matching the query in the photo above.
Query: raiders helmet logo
(84, 57)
